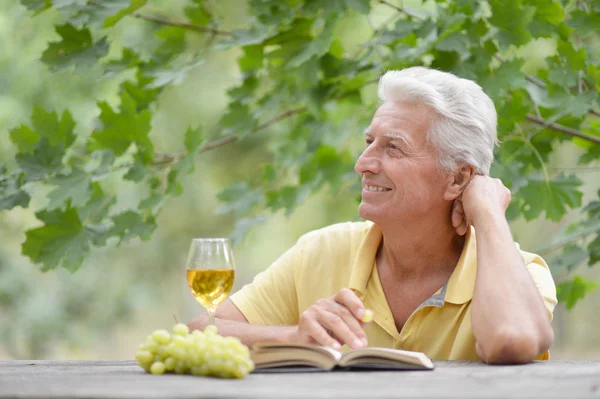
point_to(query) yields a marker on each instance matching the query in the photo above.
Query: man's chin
(369, 212)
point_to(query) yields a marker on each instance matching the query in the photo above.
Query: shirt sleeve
(271, 298)
(542, 277)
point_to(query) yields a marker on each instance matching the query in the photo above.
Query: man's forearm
(245, 332)
(509, 319)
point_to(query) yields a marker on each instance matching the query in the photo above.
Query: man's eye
(369, 141)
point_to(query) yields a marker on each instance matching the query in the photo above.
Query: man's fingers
(457, 214)
(346, 297)
(337, 325)
(360, 338)
(462, 229)
(318, 333)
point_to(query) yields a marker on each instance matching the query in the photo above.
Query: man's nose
(368, 161)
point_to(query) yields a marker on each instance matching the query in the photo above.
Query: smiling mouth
(376, 189)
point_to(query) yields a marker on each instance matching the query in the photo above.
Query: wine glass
(210, 272)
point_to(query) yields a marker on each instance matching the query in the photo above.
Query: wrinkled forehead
(401, 118)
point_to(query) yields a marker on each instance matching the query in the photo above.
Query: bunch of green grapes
(198, 353)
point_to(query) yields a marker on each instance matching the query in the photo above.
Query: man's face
(399, 168)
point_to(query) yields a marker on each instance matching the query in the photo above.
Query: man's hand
(333, 321)
(482, 195)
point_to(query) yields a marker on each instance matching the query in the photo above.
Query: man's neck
(416, 250)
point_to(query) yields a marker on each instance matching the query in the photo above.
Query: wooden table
(124, 379)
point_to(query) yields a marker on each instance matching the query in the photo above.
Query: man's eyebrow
(392, 136)
(395, 136)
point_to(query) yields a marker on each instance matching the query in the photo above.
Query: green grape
(170, 363)
(162, 337)
(197, 353)
(178, 352)
(144, 356)
(197, 334)
(181, 329)
(180, 341)
(180, 367)
(151, 345)
(211, 330)
(163, 351)
(157, 368)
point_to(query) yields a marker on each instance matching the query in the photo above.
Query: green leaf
(548, 14)
(361, 6)
(74, 187)
(97, 207)
(37, 5)
(141, 94)
(594, 251)
(570, 292)
(326, 165)
(571, 257)
(154, 202)
(193, 139)
(96, 14)
(511, 17)
(243, 226)
(287, 197)
(238, 120)
(239, 198)
(553, 197)
(256, 34)
(76, 48)
(584, 23)
(198, 13)
(45, 160)
(174, 76)
(316, 47)
(24, 138)
(593, 209)
(11, 194)
(45, 124)
(63, 241)
(129, 224)
(456, 42)
(138, 171)
(252, 58)
(120, 130)
(117, 9)
(507, 77)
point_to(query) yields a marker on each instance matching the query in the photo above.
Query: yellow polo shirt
(343, 255)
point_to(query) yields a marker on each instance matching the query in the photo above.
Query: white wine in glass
(210, 272)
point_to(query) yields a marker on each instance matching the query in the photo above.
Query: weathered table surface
(124, 379)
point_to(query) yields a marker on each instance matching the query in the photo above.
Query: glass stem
(211, 317)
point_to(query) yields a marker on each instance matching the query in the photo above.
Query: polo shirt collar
(458, 289)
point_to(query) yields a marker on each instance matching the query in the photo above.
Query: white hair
(465, 129)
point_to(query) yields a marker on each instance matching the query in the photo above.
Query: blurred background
(121, 293)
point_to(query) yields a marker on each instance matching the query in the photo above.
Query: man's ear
(458, 180)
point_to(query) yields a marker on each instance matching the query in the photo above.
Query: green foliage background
(162, 121)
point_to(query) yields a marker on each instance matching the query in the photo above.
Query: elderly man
(416, 263)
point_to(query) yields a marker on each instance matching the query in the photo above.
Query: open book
(268, 355)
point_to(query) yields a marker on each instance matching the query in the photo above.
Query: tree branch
(165, 158)
(401, 9)
(564, 129)
(184, 25)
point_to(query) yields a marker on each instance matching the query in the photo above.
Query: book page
(267, 354)
(385, 356)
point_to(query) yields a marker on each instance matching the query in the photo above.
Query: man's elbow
(517, 347)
